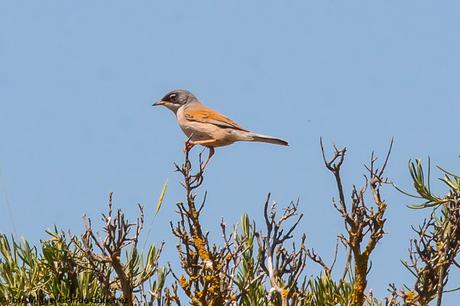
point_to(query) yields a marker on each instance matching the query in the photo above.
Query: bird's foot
(188, 146)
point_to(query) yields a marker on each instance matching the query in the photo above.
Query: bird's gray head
(176, 98)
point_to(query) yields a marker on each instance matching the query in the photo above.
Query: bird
(207, 127)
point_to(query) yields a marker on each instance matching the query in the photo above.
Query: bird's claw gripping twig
(188, 145)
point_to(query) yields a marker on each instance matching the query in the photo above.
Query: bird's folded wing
(207, 115)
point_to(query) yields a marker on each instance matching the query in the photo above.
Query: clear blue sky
(77, 80)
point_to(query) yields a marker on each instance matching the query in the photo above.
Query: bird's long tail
(268, 139)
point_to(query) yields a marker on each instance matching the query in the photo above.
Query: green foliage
(160, 199)
(67, 274)
(21, 274)
(62, 271)
(422, 185)
(249, 284)
(434, 252)
(323, 290)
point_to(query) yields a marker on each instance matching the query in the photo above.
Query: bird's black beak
(161, 102)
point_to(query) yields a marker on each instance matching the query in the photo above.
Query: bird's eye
(172, 97)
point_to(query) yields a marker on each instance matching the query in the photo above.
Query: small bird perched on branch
(206, 127)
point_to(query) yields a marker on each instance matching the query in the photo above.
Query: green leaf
(245, 225)
(160, 199)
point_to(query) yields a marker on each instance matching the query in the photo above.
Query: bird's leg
(188, 144)
(211, 153)
(206, 143)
